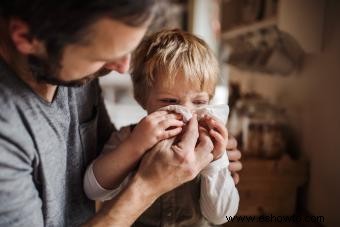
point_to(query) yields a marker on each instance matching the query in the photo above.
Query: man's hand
(155, 127)
(168, 165)
(218, 132)
(234, 156)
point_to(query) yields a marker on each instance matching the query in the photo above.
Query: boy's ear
(20, 35)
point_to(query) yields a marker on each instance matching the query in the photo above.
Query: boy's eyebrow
(166, 93)
(202, 94)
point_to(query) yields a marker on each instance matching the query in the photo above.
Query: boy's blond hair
(165, 54)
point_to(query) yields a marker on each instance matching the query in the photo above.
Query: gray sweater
(44, 150)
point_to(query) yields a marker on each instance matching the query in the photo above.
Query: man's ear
(20, 35)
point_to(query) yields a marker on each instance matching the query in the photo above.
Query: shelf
(253, 27)
(301, 19)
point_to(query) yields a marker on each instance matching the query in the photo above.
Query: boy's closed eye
(200, 102)
(173, 101)
(170, 101)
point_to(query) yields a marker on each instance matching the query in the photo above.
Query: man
(53, 121)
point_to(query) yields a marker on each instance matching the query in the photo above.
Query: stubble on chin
(44, 72)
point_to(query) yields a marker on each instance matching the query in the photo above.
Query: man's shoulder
(7, 97)
(15, 138)
(13, 101)
(11, 97)
(10, 110)
(11, 89)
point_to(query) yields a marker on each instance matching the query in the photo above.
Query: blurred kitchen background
(280, 75)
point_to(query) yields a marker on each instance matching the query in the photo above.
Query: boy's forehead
(182, 79)
(176, 82)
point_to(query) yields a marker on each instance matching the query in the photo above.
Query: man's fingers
(204, 149)
(236, 178)
(235, 166)
(234, 155)
(232, 143)
(190, 136)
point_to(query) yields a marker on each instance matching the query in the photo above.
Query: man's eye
(169, 101)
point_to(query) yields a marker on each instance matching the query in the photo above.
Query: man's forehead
(108, 35)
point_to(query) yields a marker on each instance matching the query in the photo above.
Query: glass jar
(259, 128)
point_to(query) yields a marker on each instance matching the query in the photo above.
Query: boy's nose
(122, 65)
(189, 106)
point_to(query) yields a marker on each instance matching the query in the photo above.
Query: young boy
(174, 74)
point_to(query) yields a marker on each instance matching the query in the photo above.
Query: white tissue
(219, 112)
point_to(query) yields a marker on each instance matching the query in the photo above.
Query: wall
(202, 19)
(312, 96)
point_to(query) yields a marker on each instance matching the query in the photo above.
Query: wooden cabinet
(270, 186)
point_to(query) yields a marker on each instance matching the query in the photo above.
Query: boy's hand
(230, 143)
(219, 134)
(155, 127)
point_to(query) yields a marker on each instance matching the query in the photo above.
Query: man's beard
(46, 72)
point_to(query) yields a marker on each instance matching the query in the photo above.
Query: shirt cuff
(95, 191)
(216, 166)
(92, 188)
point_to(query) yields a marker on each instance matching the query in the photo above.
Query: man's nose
(122, 65)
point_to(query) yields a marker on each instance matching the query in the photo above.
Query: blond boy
(174, 68)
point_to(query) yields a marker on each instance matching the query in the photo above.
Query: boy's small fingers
(218, 137)
(171, 122)
(159, 113)
(171, 133)
(218, 126)
(169, 116)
